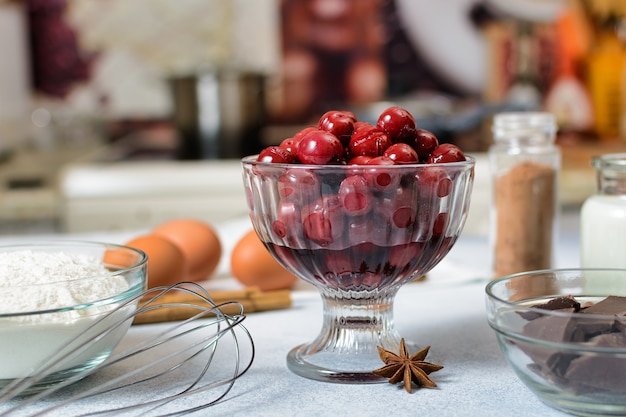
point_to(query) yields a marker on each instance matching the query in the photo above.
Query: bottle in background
(603, 221)
(605, 78)
(603, 215)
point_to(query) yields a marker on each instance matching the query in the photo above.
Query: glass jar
(524, 163)
(603, 215)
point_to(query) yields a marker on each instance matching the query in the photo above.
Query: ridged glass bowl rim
(494, 301)
(68, 245)
(252, 160)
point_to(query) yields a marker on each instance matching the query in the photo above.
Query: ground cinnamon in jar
(525, 205)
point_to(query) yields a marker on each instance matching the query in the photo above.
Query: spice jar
(603, 215)
(524, 164)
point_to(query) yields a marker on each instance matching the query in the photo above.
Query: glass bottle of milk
(603, 220)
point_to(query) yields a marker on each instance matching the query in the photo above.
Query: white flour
(31, 281)
(49, 280)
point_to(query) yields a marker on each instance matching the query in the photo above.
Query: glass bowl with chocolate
(563, 332)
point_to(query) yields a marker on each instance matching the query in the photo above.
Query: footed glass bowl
(357, 233)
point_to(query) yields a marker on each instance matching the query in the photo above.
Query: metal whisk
(159, 374)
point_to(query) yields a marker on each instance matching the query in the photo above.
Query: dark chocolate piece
(560, 303)
(612, 305)
(619, 326)
(600, 371)
(565, 302)
(551, 329)
(590, 328)
(578, 373)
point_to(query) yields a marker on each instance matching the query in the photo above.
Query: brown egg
(253, 265)
(167, 264)
(198, 241)
(118, 258)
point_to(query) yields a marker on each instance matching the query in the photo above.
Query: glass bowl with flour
(64, 307)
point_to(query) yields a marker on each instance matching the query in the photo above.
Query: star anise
(407, 368)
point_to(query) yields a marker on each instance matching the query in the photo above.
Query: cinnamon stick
(179, 305)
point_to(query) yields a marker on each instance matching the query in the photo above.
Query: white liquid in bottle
(603, 232)
(603, 226)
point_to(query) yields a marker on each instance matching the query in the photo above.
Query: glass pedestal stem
(354, 325)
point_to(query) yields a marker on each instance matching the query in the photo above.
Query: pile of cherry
(339, 202)
(340, 138)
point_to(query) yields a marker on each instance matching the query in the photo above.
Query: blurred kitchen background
(122, 113)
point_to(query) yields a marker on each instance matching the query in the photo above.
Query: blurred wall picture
(346, 52)
(332, 53)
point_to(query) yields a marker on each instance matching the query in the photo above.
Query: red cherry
(300, 134)
(369, 141)
(381, 179)
(359, 160)
(339, 123)
(440, 224)
(434, 181)
(288, 224)
(381, 160)
(277, 155)
(444, 187)
(358, 125)
(397, 122)
(319, 147)
(356, 163)
(400, 208)
(291, 144)
(401, 153)
(424, 142)
(355, 195)
(323, 220)
(298, 185)
(446, 152)
(288, 216)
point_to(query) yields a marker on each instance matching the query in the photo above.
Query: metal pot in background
(219, 114)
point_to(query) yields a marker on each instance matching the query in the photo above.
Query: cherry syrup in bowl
(357, 233)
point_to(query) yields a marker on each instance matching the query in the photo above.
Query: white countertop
(446, 311)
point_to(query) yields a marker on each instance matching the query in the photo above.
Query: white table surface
(446, 312)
